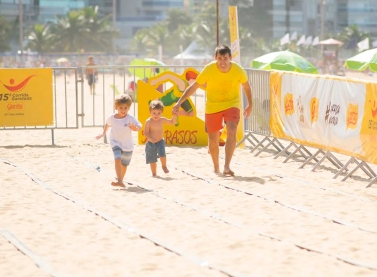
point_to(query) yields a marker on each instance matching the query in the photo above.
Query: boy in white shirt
(122, 124)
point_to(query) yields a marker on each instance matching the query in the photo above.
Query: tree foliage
(40, 39)
(78, 31)
(5, 29)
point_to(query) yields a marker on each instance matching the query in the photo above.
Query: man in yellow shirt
(222, 79)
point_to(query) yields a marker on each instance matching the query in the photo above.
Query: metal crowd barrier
(75, 107)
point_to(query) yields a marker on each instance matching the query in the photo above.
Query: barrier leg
(270, 142)
(285, 150)
(298, 149)
(372, 182)
(248, 139)
(328, 155)
(365, 167)
(352, 160)
(312, 157)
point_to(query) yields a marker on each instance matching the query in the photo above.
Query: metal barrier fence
(75, 107)
(259, 121)
(115, 80)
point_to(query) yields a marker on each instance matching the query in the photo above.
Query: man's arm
(247, 90)
(188, 92)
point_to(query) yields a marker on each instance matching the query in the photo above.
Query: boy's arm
(171, 121)
(104, 132)
(135, 125)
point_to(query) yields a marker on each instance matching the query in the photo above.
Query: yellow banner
(368, 132)
(235, 47)
(234, 38)
(190, 129)
(26, 97)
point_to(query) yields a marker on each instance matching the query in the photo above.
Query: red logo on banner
(17, 106)
(314, 103)
(374, 109)
(352, 116)
(17, 87)
(288, 104)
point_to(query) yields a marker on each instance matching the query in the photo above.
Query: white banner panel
(324, 112)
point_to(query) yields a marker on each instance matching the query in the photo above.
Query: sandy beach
(59, 216)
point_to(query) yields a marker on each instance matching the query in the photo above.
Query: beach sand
(59, 216)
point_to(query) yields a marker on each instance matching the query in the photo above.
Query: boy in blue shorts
(154, 131)
(122, 124)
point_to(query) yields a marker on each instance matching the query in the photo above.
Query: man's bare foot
(228, 172)
(165, 169)
(118, 184)
(154, 175)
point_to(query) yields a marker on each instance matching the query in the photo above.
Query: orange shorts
(214, 121)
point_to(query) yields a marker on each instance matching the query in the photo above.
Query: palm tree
(140, 41)
(205, 26)
(83, 30)
(4, 34)
(158, 36)
(40, 39)
(185, 34)
(176, 18)
(99, 31)
(70, 32)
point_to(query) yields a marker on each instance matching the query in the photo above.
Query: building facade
(308, 17)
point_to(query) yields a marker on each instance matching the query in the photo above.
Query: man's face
(223, 62)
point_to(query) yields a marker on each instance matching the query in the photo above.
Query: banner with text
(26, 97)
(190, 129)
(325, 112)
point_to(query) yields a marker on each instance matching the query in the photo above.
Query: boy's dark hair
(123, 99)
(223, 50)
(156, 105)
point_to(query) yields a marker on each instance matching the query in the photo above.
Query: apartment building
(309, 17)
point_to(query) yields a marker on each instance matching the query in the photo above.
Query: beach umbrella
(284, 60)
(331, 41)
(62, 60)
(363, 60)
(143, 69)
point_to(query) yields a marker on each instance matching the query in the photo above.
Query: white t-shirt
(121, 134)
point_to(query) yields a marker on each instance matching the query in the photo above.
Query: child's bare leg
(118, 171)
(163, 163)
(124, 170)
(153, 169)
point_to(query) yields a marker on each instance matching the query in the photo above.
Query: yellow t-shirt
(223, 89)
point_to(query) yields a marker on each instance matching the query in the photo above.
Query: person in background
(91, 74)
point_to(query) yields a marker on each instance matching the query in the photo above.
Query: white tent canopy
(193, 52)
